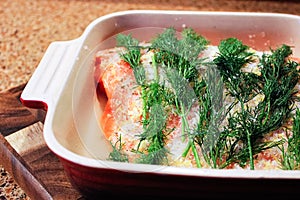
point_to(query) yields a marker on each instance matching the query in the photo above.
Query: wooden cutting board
(24, 153)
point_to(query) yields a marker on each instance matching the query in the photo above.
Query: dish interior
(76, 125)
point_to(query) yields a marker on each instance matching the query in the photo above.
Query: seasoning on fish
(181, 101)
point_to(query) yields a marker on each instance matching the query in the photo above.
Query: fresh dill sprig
(233, 56)
(291, 154)
(152, 95)
(116, 154)
(180, 54)
(157, 154)
(180, 60)
(132, 55)
(239, 138)
(212, 113)
(127, 41)
(277, 85)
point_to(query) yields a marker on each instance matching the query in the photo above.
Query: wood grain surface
(24, 153)
(13, 114)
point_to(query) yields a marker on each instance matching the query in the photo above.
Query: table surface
(26, 30)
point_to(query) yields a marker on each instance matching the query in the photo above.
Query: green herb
(234, 55)
(276, 84)
(212, 113)
(117, 154)
(154, 133)
(181, 55)
(132, 56)
(152, 95)
(180, 59)
(225, 134)
(291, 154)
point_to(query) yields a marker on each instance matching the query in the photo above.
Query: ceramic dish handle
(45, 84)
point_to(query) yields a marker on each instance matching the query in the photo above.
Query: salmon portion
(122, 115)
(111, 81)
(107, 120)
(113, 77)
(116, 80)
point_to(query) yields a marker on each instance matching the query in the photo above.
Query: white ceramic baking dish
(63, 85)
